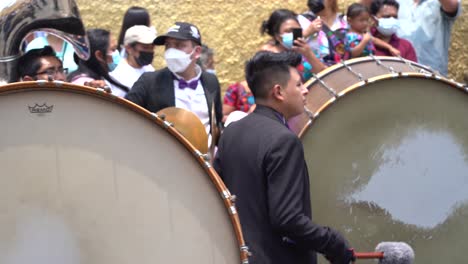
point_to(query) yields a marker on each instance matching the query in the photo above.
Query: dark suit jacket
(155, 91)
(262, 162)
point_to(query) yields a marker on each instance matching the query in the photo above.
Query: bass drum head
(91, 179)
(389, 162)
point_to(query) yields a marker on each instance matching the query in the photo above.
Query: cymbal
(189, 125)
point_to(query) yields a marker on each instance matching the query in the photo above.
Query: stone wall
(231, 27)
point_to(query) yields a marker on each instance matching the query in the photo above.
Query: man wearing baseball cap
(139, 50)
(182, 83)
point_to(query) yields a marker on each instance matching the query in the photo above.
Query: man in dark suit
(182, 83)
(262, 162)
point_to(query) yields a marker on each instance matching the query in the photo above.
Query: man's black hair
(29, 63)
(267, 69)
(378, 4)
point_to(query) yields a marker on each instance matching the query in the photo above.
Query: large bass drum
(87, 177)
(388, 161)
(331, 82)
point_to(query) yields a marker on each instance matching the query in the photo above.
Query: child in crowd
(358, 40)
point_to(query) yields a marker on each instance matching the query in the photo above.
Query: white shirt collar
(198, 70)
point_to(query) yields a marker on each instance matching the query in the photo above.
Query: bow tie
(192, 85)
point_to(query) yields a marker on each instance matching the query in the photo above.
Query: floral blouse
(237, 96)
(353, 39)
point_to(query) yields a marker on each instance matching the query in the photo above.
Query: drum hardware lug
(154, 115)
(207, 164)
(328, 88)
(379, 63)
(309, 113)
(225, 194)
(167, 124)
(233, 198)
(407, 63)
(41, 82)
(58, 83)
(162, 116)
(232, 210)
(198, 153)
(245, 249)
(205, 157)
(358, 75)
(100, 90)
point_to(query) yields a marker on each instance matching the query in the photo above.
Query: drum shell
(105, 181)
(387, 162)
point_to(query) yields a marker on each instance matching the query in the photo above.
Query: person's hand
(342, 253)
(347, 257)
(96, 83)
(367, 37)
(314, 27)
(301, 46)
(394, 51)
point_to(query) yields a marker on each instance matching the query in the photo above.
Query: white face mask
(177, 61)
(388, 26)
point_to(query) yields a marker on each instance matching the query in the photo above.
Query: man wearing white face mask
(182, 83)
(387, 24)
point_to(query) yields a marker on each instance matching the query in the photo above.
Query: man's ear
(197, 53)
(277, 92)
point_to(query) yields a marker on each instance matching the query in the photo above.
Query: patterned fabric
(323, 43)
(352, 40)
(237, 96)
(305, 69)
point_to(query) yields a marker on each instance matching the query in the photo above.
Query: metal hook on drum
(358, 75)
(328, 88)
(380, 63)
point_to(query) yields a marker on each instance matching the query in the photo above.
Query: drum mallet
(389, 253)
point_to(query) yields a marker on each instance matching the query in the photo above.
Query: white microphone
(395, 253)
(389, 253)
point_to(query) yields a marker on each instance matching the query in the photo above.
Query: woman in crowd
(332, 26)
(280, 26)
(133, 16)
(94, 72)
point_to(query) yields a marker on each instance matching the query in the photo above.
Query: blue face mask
(287, 40)
(115, 60)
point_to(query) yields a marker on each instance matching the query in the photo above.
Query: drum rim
(350, 62)
(330, 102)
(100, 93)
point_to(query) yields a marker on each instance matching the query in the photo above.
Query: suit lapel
(168, 88)
(208, 95)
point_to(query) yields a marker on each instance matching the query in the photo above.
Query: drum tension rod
(328, 88)
(407, 63)
(205, 157)
(358, 75)
(379, 63)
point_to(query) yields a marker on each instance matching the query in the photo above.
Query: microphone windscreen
(395, 253)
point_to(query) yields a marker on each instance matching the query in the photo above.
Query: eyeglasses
(54, 71)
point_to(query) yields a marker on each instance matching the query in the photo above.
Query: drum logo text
(40, 109)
